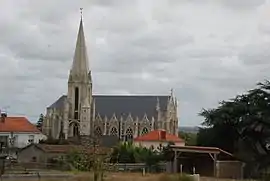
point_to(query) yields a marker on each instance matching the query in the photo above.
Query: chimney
(162, 134)
(3, 116)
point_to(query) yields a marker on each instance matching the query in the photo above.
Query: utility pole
(11, 144)
(2, 160)
(97, 166)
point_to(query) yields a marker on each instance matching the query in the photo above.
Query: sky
(206, 50)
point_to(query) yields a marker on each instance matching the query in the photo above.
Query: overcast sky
(207, 50)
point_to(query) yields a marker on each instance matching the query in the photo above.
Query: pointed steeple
(175, 102)
(157, 105)
(80, 60)
(171, 94)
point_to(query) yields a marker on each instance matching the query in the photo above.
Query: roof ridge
(125, 95)
(17, 117)
(132, 95)
(154, 136)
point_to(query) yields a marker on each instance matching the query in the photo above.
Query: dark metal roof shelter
(213, 152)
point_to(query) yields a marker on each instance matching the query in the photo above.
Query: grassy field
(124, 177)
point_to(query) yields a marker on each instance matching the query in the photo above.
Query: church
(80, 113)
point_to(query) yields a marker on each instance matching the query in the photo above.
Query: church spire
(80, 60)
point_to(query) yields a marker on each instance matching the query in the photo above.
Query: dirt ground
(121, 177)
(139, 177)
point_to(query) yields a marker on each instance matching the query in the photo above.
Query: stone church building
(80, 113)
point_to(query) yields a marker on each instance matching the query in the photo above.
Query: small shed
(206, 161)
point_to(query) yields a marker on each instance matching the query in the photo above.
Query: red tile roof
(156, 135)
(17, 124)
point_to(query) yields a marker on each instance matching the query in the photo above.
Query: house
(17, 132)
(157, 139)
(43, 153)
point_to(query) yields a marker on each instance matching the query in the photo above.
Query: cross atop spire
(81, 11)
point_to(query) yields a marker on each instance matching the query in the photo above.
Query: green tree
(190, 138)
(123, 153)
(241, 125)
(128, 153)
(167, 152)
(40, 122)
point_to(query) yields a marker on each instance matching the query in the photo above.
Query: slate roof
(122, 105)
(59, 103)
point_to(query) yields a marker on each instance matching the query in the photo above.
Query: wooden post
(143, 172)
(175, 162)
(242, 170)
(215, 165)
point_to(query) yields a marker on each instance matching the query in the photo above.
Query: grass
(129, 177)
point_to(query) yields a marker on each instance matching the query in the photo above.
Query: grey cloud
(114, 4)
(254, 54)
(243, 3)
(48, 48)
(135, 47)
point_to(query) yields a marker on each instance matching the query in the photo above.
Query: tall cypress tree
(40, 122)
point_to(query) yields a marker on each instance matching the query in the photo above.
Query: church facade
(80, 113)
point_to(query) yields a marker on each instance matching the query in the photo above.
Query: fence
(29, 167)
(135, 167)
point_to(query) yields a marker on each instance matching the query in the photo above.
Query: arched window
(114, 131)
(171, 126)
(76, 130)
(98, 131)
(76, 102)
(129, 134)
(34, 159)
(144, 130)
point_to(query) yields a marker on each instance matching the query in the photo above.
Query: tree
(167, 152)
(124, 153)
(241, 125)
(129, 153)
(40, 122)
(190, 138)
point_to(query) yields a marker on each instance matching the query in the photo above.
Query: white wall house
(157, 139)
(22, 139)
(18, 132)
